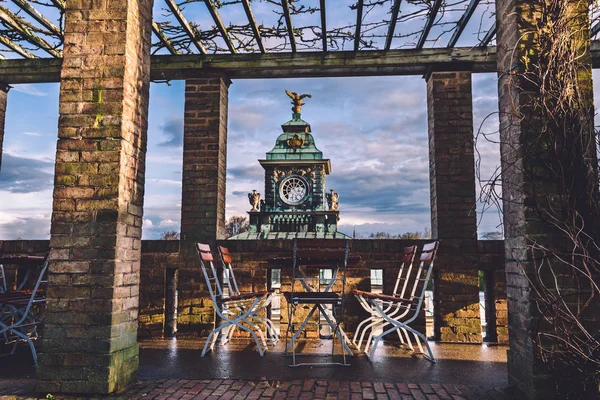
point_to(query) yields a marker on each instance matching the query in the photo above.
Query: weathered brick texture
(158, 256)
(204, 159)
(522, 148)
(453, 210)
(491, 261)
(3, 98)
(91, 326)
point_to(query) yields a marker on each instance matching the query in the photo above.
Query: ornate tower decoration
(295, 201)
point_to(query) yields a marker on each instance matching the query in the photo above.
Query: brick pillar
(453, 216)
(203, 193)
(204, 159)
(91, 323)
(533, 194)
(3, 98)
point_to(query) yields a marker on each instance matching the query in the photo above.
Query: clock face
(293, 190)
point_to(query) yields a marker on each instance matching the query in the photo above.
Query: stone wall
(158, 256)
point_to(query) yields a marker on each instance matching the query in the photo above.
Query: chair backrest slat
(210, 272)
(427, 257)
(406, 266)
(228, 268)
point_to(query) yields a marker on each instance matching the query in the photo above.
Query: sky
(374, 131)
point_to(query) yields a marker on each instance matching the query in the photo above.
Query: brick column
(91, 323)
(534, 196)
(203, 193)
(204, 159)
(453, 213)
(3, 98)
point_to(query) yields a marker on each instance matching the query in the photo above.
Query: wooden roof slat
(429, 24)
(288, 22)
(253, 25)
(38, 16)
(59, 4)
(163, 38)
(595, 29)
(392, 27)
(323, 25)
(488, 36)
(19, 25)
(185, 25)
(462, 22)
(220, 25)
(359, 12)
(15, 47)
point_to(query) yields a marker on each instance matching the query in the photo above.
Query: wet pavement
(468, 364)
(236, 370)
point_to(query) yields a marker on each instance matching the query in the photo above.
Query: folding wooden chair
(320, 254)
(234, 311)
(375, 322)
(400, 312)
(234, 290)
(22, 312)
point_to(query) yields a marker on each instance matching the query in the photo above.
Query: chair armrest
(245, 296)
(380, 296)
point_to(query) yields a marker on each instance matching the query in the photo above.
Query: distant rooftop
(288, 235)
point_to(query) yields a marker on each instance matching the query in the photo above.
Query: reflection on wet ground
(468, 364)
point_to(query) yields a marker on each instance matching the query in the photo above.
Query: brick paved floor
(184, 389)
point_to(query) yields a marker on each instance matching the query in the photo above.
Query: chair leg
(377, 338)
(418, 335)
(212, 334)
(408, 341)
(261, 351)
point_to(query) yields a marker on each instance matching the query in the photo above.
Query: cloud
(160, 219)
(14, 226)
(24, 175)
(251, 172)
(31, 89)
(173, 130)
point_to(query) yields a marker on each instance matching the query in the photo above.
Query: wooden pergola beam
(253, 25)
(220, 25)
(488, 36)
(279, 65)
(429, 24)
(163, 38)
(38, 16)
(392, 27)
(19, 25)
(288, 23)
(323, 25)
(185, 25)
(462, 22)
(359, 13)
(16, 48)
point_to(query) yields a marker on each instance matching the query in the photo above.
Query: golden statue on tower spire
(297, 100)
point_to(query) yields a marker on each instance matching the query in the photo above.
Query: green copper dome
(295, 143)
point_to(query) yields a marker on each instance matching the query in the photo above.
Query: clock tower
(295, 202)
